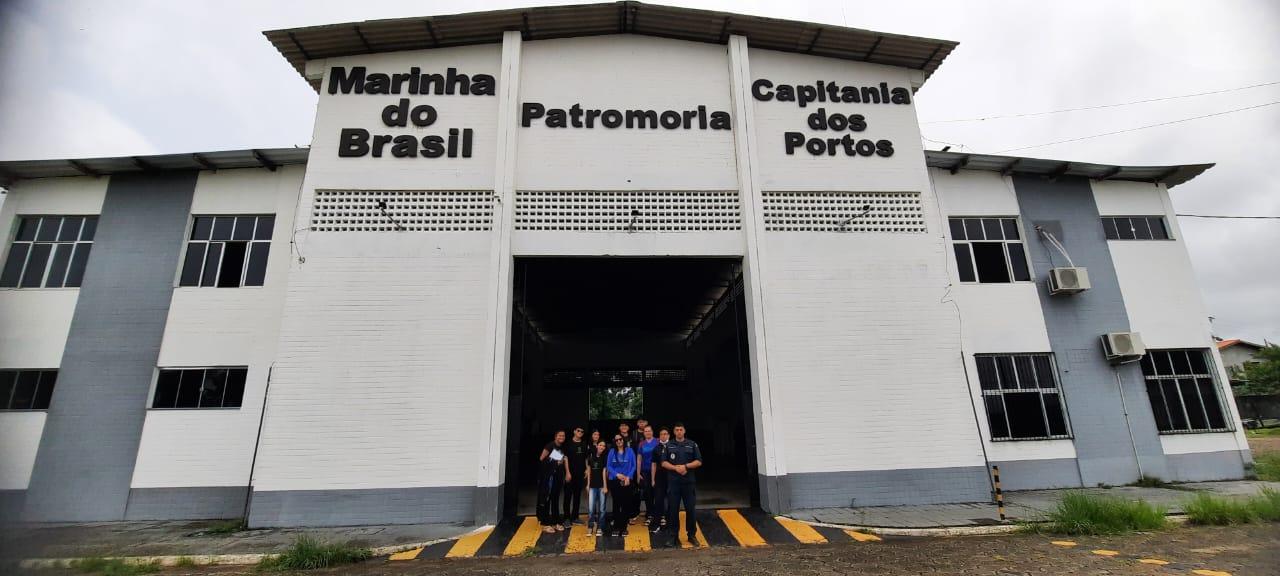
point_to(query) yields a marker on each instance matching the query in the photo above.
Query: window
(200, 387)
(1183, 394)
(1135, 228)
(49, 252)
(1022, 396)
(989, 250)
(227, 251)
(26, 389)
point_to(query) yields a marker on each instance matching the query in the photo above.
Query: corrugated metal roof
(11, 171)
(14, 170)
(1170, 175)
(298, 45)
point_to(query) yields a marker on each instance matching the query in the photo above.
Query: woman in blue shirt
(620, 468)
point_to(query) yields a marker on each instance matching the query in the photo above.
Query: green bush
(113, 567)
(185, 562)
(307, 553)
(227, 527)
(1078, 513)
(1212, 510)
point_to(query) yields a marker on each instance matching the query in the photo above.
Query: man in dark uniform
(682, 458)
(578, 449)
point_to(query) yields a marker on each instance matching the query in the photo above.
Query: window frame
(6, 401)
(1000, 392)
(204, 259)
(1164, 223)
(12, 242)
(1004, 246)
(155, 388)
(1212, 375)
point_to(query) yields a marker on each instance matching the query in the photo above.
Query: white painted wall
(904, 171)
(1163, 299)
(380, 354)
(222, 327)
(997, 318)
(382, 350)
(19, 440)
(859, 338)
(34, 322)
(625, 72)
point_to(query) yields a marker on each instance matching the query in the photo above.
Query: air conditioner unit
(1123, 347)
(1068, 280)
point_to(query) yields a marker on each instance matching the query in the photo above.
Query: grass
(185, 562)
(1267, 466)
(113, 567)
(1263, 432)
(1078, 513)
(227, 527)
(307, 553)
(1209, 510)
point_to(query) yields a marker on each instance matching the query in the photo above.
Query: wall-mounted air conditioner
(1068, 280)
(1123, 346)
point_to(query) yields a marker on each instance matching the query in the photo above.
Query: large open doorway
(597, 340)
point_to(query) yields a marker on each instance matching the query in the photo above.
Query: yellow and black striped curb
(728, 528)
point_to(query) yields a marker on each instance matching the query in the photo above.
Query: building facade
(339, 335)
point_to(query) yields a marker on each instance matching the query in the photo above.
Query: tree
(1261, 376)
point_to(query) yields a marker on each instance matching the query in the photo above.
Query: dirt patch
(1265, 445)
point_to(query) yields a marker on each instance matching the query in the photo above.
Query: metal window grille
(1183, 391)
(989, 250)
(898, 212)
(49, 252)
(408, 210)
(227, 251)
(27, 389)
(1022, 396)
(1135, 228)
(614, 378)
(212, 387)
(635, 211)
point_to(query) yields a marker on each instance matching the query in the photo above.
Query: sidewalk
(1029, 505)
(187, 538)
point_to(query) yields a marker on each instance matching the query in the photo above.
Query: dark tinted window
(45, 250)
(1183, 394)
(964, 263)
(1027, 403)
(227, 251)
(989, 250)
(199, 388)
(989, 259)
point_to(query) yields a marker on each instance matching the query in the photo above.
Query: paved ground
(189, 538)
(1237, 551)
(1028, 505)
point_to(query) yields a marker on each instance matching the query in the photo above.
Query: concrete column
(492, 430)
(774, 496)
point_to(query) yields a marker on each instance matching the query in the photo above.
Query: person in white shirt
(553, 472)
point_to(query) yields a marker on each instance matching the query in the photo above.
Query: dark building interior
(663, 338)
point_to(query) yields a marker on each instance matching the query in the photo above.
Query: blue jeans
(595, 507)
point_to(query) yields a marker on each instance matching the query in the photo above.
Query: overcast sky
(94, 78)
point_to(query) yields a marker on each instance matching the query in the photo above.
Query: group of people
(638, 467)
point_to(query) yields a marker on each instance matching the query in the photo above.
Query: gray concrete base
(487, 505)
(775, 494)
(11, 505)
(194, 503)
(889, 487)
(1039, 474)
(1206, 466)
(427, 505)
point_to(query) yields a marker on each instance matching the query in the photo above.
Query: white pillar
(774, 496)
(492, 430)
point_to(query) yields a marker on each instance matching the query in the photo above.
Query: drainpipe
(248, 492)
(1124, 407)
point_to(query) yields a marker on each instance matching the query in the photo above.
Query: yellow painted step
(862, 536)
(407, 554)
(637, 539)
(467, 546)
(803, 532)
(579, 541)
(525, 538)
(741, 529)
(697, 535)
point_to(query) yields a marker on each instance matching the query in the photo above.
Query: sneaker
(656, 529)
